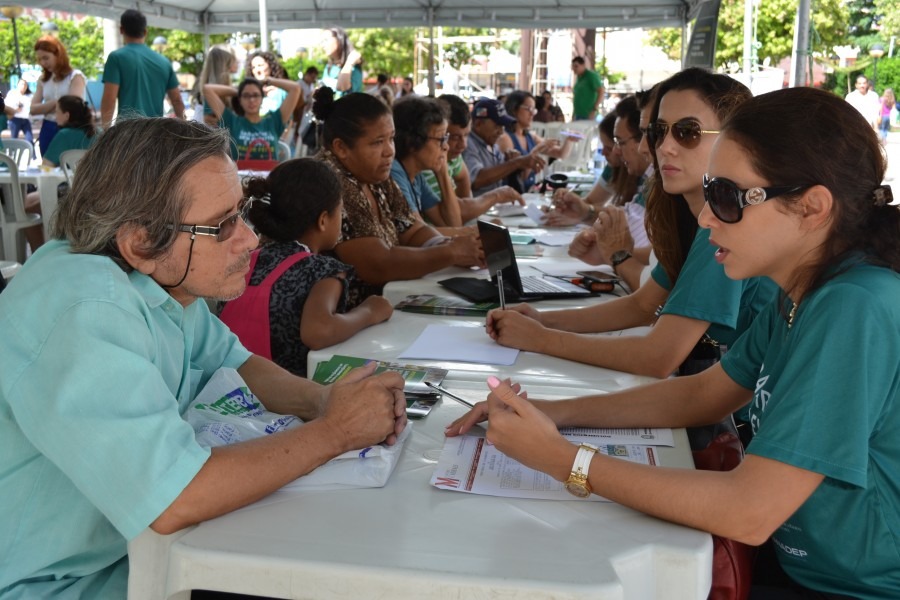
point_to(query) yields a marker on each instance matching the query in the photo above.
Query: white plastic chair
(13, 218)
(21, 151)
(583, 150)
(68, 160)
(283, 151)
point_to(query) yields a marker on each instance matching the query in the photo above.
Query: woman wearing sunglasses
(823, 386)
(698, 301)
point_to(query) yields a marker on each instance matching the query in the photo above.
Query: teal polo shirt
(143, 77)
(97, 367)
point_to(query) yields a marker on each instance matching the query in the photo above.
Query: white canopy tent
(223, 16)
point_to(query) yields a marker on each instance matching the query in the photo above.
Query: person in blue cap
(488, 167)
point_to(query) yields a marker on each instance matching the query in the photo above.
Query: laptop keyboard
(539, 285)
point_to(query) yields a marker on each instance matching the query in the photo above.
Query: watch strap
(619, 257)
(583, 459)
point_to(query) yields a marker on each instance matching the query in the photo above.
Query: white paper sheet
(464, 344)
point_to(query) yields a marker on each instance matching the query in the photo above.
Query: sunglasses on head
(727, 200)
(686, 132)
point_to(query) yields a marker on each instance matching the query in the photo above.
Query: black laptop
(499, 255)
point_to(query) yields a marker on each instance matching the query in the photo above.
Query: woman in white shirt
(18, 99)
(59, 79)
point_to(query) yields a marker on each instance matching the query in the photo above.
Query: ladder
(539, 77)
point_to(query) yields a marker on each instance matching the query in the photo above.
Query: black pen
(438, 388)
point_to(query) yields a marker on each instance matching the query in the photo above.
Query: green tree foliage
(774, 34)
(386, 50)
(890, 21)
(184, 47)
(391, 51)
(83, 41)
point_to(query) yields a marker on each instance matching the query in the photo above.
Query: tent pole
(748, 39)
(801, 45)
(263, 26)
(431, 51)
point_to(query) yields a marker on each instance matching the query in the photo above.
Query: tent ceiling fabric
(222, 16)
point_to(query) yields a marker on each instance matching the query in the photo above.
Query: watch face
(577, 489)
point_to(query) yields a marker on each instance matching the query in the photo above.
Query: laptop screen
(499, 254)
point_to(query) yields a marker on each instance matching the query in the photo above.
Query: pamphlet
(444, 305)
(420, 398)
(473, 465)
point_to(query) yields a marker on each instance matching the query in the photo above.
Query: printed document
(471, 464)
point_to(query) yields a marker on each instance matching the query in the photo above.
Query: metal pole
(16, 43)
(801, 45)
(748, 39)
(431, 50)
(263, 26)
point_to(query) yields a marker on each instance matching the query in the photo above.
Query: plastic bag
(226, 412)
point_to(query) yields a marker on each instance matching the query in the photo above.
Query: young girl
(19, 99)
(296, 298)
(253, 135)
(818, 367)
(76, 129)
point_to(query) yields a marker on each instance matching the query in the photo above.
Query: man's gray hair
(134, 175)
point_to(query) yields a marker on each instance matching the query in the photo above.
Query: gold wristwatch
(577, 484)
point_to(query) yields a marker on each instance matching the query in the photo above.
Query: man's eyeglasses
(619, 142)
(224, 230)
(727, 200)
(443, 139)
(686, 132)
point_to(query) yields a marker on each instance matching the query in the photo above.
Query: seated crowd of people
(745, 249)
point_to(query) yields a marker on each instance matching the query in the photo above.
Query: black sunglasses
(727, 200)
(686, 132)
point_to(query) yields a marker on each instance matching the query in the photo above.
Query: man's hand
(365, 409)
(612, 229)
(585, 247)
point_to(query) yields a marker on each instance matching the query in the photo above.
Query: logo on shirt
(761, 398)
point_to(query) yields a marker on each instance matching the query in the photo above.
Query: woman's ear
(818, 207)
(132, 242)
(340, 149)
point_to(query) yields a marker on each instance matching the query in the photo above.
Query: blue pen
(438, 388)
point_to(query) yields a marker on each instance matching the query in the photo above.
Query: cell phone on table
(598, 277)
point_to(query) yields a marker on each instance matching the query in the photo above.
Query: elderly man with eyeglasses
(106, 341)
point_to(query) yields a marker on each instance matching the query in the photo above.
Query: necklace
(792, 314)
